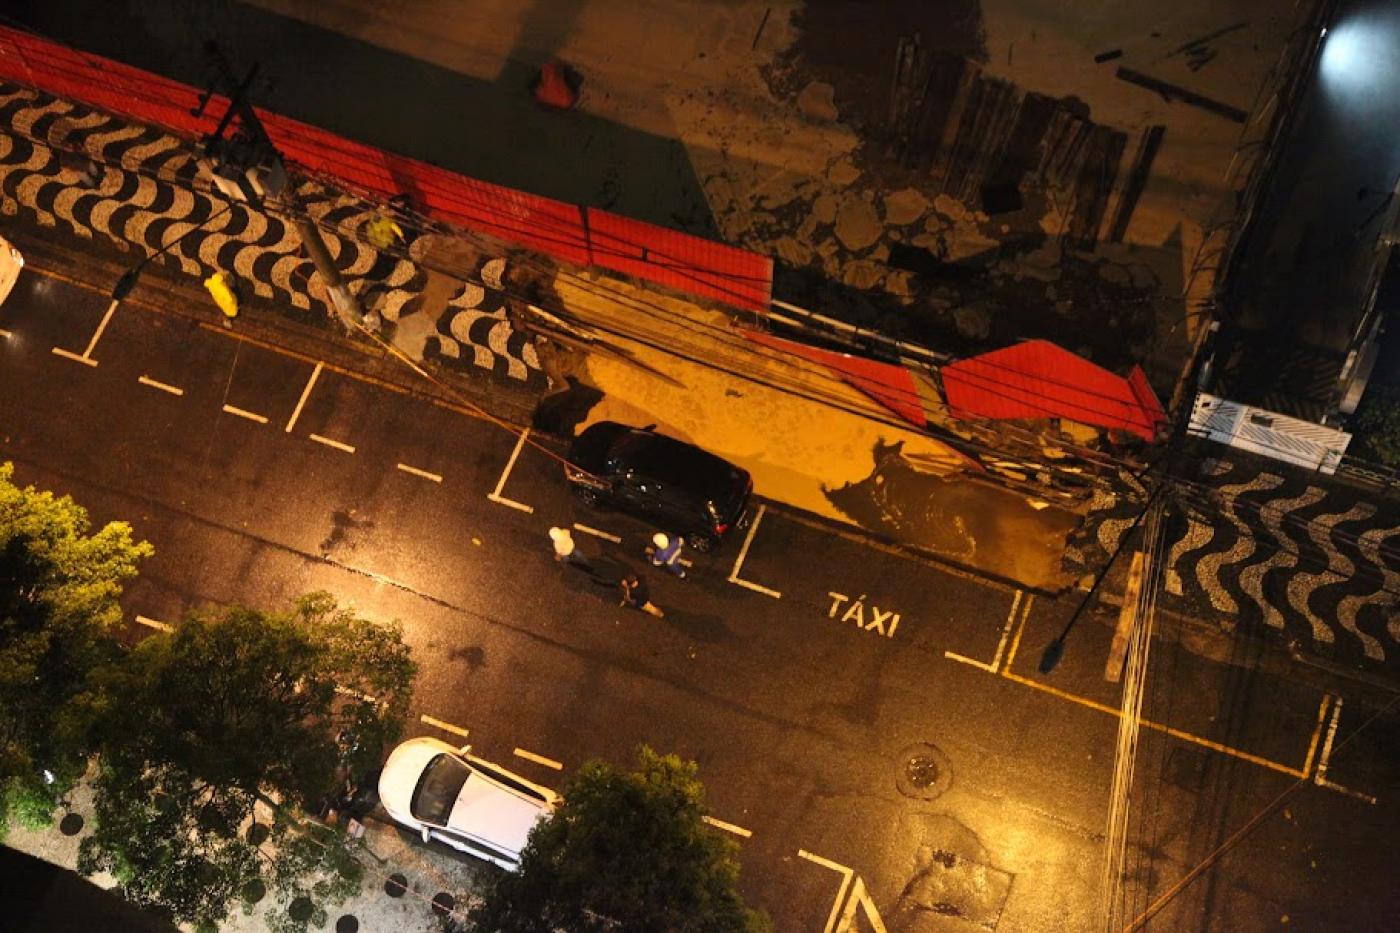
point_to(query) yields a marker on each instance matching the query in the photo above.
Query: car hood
(402, 771)
(494, 814)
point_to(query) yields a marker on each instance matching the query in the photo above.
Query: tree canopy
(59, 586)
(626, 851)
(239, 717)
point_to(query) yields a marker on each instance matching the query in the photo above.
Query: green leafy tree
(59, 586)
(240, 717)
(626, 851)
(1377, 425)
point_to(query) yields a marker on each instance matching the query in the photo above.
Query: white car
(11, 261)
(448, 794)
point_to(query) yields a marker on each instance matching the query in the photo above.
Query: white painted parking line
(858, 901)
(329, 442)
(539, 759)
(163, 386)
(495, 495)
(1324, 759)
(846, 874)
(743, 553)
(97, 334)
(598, 534)
(244, 413)
(70, 355)
(152, 623)
(417, 472)
(444, 726)
(1001, 645)
(729, 827)
(346, 691)
(305, 393)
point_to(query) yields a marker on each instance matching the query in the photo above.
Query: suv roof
(684, 466)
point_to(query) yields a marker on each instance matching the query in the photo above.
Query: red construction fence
(567, 232)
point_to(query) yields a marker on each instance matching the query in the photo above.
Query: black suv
(679, 487)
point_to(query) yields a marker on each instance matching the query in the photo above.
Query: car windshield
(438, 788)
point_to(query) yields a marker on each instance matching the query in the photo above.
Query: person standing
(665, 553)
(637, 595)
(566, 551)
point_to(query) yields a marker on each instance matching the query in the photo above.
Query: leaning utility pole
(246, 166)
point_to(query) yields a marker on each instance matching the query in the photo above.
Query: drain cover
(923, 772)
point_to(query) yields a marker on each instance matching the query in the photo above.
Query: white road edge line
(329, 442)
(598, 534)
(70, 355)
(417, 472)
(305, 393)
(163, 386)
(539, 759)
(152, 623)
(445, 726)
(728, 827)
(495, 495)
(743, 553)
(243, 413)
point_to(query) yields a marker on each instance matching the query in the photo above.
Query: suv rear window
(437, 790)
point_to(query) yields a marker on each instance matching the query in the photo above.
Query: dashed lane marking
(331, 442)
(598, 534)
(70, 355)
(152, 623)
(539, 759)
(305, 394)
(445, 726)
(743, 553)
(495, 495)
(163, 386)
(417, 472)
(244, 413)
(729, 827)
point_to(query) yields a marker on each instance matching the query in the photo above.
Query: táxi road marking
(728, 827)
(857, 899)
(743, 553)
(444, 726)
(1005, 632)
(495, 495)
(598, 534)
(330, 442)
(305, 393)
(244, 413)
(539, 759)
(152, 623)
(163, 386)
(417, 472)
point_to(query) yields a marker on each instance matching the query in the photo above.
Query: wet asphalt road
(254, 488)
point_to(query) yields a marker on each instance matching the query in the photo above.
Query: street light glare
(1355, 55)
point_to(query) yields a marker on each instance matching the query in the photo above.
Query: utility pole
(246, 166)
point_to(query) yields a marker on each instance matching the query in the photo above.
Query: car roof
(685, 465)
(498, 815)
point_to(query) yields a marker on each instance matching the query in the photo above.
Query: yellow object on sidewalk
(223, 295)
(381, 232)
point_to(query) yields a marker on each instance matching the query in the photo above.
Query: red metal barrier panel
(689, 263)
(555, 228)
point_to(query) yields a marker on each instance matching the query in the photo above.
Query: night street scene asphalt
(993, 404)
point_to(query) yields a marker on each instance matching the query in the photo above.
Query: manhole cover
(348, 923)
(71, 825)
(443, 903)
(923, 772)
(301, 909)
(396, 885)
(258, 833)
(254, 891)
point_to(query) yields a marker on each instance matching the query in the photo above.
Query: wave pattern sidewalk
(144, 196)
(1319, 565)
